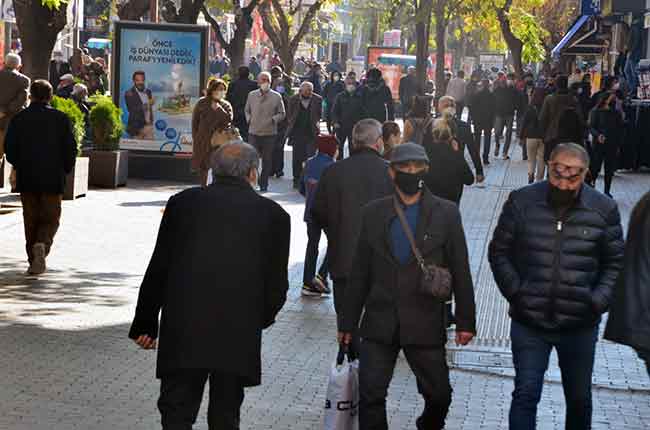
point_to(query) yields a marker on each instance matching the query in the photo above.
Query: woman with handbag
(211, 126)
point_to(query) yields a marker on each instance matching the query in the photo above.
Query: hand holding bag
(342, 404)
(435, 281)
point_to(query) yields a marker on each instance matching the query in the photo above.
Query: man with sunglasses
(556, 254)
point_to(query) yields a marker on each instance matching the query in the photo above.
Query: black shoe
(486, 161)
(279, 175)
(609, 195)
(322, 283)
(531, 179)
(310, 289)
(296, 184)
(496, 150)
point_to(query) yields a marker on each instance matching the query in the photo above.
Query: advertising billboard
(160, 71)
(391, 73)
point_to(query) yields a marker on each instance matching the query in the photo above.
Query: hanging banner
(7, 13)
(160, 71)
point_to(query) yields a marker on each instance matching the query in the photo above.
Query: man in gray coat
(14, 89)
(264, 111)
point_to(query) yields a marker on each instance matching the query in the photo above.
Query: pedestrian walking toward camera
(212, 316)
(332, 89)
(14, 89)
(343, 190)
(482, 112)
(346, 112)
(41, 147)
(556, 253)
(303, 125)
(376, 98)
(533, 134)
(607, 131)
(628, 316)
(457, 89)
(264, 112)
(402, 235)
(315, 284)
(211, 126)
(506, 98)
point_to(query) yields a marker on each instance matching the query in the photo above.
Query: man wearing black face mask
(398, 314)
(556, 254)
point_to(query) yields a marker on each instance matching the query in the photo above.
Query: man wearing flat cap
(400, 313)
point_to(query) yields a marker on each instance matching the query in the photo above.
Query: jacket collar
(364, 150)
(231, 181)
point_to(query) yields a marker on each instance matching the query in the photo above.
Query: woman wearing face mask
(391, 136)
(211, 120)
(607, 128)
(333, 88)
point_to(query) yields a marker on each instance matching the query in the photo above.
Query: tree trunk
(515, 45)
(422, 52)
(287, 56)
(39, 27)
(441, 29)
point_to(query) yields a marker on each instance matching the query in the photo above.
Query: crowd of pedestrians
(397, 255)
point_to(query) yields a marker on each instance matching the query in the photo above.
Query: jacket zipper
(559, 228)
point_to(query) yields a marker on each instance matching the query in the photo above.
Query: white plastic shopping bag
(342, 404)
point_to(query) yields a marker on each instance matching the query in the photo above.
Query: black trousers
(376, 366)
(475, 154)
(311, 255)
(304, 147)
(264, 146)
(487, 140)
(181, 393)
(344, 135)
(278, 153)
(607, 154)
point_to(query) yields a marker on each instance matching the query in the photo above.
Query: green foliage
(106, 121)
(53, 4)
(531, 33)
(72, 111)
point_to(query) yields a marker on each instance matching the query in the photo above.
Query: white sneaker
(38, 260)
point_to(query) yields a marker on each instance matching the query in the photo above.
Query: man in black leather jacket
(556, 254)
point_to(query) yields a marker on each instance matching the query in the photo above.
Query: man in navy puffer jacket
(556, 254)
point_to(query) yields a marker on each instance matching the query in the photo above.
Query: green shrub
(72, 111)
(106, 122)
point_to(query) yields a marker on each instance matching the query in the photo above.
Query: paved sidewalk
(67, 363)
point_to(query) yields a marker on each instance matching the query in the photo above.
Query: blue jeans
(531, 349)
(630, 73)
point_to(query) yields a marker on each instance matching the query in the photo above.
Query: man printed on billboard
(139, 103)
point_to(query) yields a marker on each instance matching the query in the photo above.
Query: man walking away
(315, 284)
(555, 255)
(628, 317)
(407, 90)
(14, 88)
(212, 319)
(343, 190)
(561, 117)
(385, 285)
(376, 98)
(456, 89)
(264, 111)
(42, 155)
(346, 113)
(303, 125)
(237, 96)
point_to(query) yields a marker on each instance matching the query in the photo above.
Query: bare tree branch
(281, 16)
(306, 23)
(216, 27)
(295, 10)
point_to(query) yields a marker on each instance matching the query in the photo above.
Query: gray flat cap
(408, 152)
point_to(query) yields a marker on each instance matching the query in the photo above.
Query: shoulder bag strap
(409, 234)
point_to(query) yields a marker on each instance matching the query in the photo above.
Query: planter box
(108, 169)
(76, 183)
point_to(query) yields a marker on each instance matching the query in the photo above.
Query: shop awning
(97, 43)
(575, 28)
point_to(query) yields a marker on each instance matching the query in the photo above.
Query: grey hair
(13, 61)
(366, 132)
(307, 84)
(572, 149)
(235, 159)
(79, 89)
(267, 74)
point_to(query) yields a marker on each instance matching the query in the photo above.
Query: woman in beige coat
(212, 114)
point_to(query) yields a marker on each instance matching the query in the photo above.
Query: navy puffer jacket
(557, 272)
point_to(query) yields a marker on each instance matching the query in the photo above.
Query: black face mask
(561, 198)
(408, 183)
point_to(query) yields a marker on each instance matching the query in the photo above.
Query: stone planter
(76, 183)
(108, 169)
